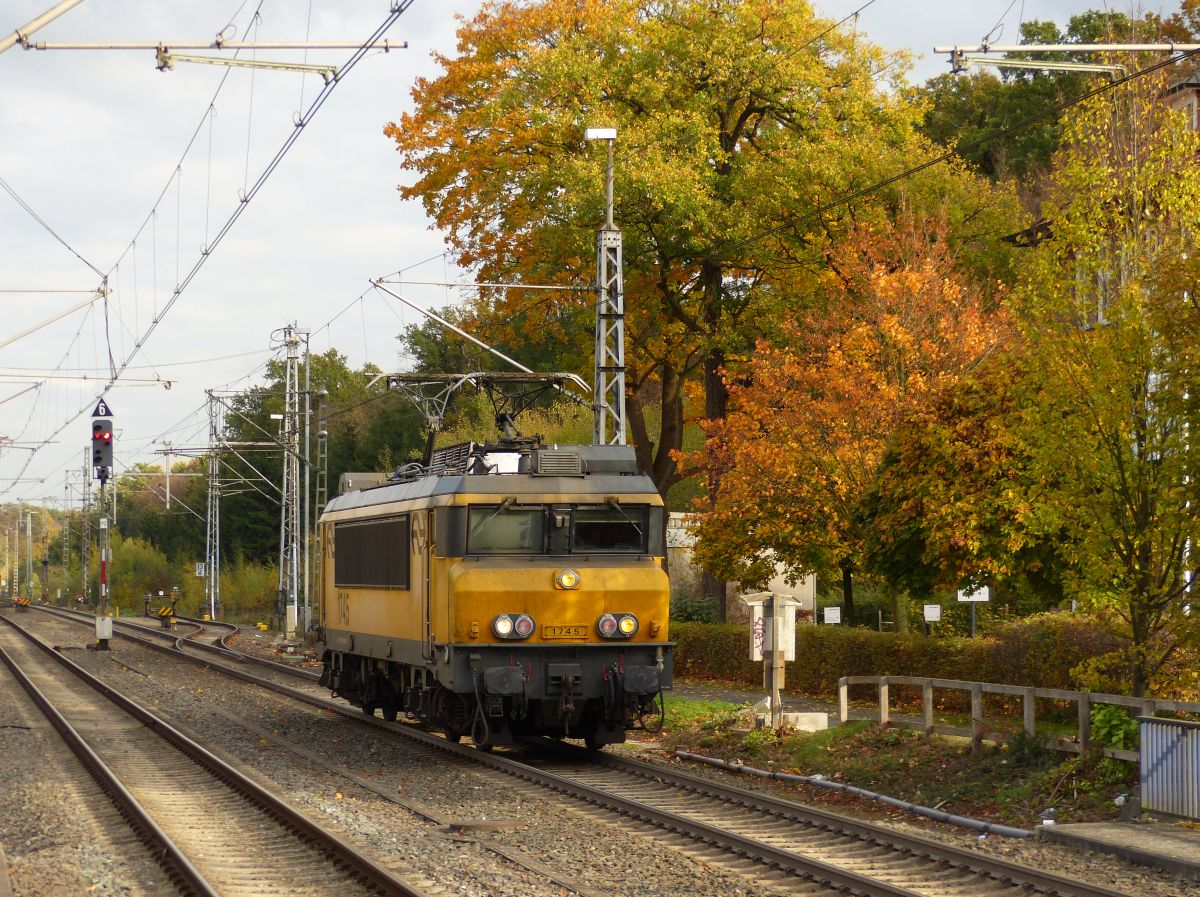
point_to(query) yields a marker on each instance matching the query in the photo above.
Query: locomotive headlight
(513, 626)
(566, 579)
(617, 625)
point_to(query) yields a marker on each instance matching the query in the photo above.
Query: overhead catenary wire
(288, 143)
(45, 225)
(958, 150)
(397, 9)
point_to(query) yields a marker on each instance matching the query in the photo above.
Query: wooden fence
(979, 732)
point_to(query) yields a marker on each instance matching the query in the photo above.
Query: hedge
(1035, 651)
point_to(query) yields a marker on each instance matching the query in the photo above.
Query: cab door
(421, 523)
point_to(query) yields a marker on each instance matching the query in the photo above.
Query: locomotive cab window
(371, 553)
(501, 529)
(610, 529)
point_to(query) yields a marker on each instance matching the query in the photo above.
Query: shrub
(1038, 651)
(1113, 727)
(687, 608)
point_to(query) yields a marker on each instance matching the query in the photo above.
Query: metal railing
(979, 731)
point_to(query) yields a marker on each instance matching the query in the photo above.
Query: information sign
(933, 613)
(833, 615)
(980, 593)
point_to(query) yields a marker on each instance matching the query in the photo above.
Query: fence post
(927, 705)
(883, 700)
(843, 700)
(976, 715)
(1085, 721)
(1029, 702)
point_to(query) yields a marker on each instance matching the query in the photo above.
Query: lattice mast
(212, 538)
(609, 377)
(292, 567)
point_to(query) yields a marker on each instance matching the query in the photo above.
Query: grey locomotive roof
(495, 484)
(598, 470)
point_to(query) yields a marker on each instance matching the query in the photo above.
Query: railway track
(795, 847)
(216, 831)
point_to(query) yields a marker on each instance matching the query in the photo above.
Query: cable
(51, 231)
(957, 151)
(397, 9)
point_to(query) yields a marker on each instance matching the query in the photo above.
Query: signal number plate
(549, 632)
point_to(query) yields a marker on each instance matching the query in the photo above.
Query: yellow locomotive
(501, 590)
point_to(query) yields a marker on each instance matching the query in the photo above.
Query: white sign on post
(758, 635)
(833, 615)
(980, 593)
(782, 636)
(200, 568)
(933, 613)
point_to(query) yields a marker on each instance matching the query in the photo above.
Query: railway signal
(102, 448)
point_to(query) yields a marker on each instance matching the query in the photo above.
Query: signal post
(102, 463)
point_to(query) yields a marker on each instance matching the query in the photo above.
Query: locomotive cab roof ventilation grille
(558, 463)
(451, 459)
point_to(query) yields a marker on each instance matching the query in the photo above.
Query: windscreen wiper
(508, 502)
(615, 504)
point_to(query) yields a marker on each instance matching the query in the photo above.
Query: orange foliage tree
(810, 420)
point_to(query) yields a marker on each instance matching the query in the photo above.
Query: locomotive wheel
(390, 711)
(368, 708)
(591, 740)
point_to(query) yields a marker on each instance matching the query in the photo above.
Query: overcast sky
(89, 140)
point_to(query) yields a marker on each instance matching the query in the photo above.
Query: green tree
(962, 109)
(946, 506)
(1109, 411)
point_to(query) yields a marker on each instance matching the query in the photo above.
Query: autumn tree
(737, 120)
(947, 508)
(810, 420)
(1108, 307)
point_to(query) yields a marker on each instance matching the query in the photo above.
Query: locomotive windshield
(501, 529)
(557, 529)
(609, 529)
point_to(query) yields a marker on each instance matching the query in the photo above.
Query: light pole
(609, 380)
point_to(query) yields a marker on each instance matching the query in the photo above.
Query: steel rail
(836, 823)
(804, 868)
(168, 854)
(339, 851)
(995, 869)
